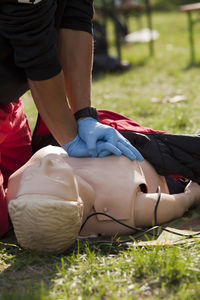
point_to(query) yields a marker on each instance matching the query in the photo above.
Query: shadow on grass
(26, 275)
(192, 66)
(133, 65)
(105, 246)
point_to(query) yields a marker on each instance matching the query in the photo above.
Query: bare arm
(76, 53)
(169, 208)
(49, 97)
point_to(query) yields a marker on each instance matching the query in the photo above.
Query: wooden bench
(111, 9)
(133, 6)
(189, 9)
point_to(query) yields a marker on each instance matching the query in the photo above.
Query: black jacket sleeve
(170, 154)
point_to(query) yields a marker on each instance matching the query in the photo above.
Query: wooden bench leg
(149, 21)
(191, 39)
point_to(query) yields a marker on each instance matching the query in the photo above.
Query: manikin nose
(56, 177)
(55, 163)
(57, 168)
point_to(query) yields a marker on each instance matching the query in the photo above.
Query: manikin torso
(109, 185)
(116, 182)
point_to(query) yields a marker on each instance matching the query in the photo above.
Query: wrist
(68, 144)
(85, 113)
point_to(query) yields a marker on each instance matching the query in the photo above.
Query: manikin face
(47, 173)
(51, 176)
(44, 202)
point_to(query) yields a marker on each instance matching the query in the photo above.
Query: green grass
(107, 273)
(125, 272)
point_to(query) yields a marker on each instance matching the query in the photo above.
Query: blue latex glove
(104, 149)
(91, 131)
(78, 148)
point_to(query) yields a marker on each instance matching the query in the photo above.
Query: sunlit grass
(167, 73)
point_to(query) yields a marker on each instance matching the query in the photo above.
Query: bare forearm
(49, 97)
(76, 54)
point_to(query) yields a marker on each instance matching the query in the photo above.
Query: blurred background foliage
(157, 4)
(170, 4)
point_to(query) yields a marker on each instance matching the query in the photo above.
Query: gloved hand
(91, 131)
(78, 148)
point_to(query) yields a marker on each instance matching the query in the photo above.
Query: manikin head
(52, 194)
(43, 202)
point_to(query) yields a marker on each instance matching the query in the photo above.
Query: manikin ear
(45, 225)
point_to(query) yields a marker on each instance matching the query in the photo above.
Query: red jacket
(15, 150)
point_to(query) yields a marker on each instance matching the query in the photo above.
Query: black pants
(28, 40)
(175, 186)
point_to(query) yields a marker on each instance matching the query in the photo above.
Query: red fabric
(15, 149)
(121, 123)
(115, 120)
(4, 225)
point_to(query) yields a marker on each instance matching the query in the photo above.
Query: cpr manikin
(52, 194)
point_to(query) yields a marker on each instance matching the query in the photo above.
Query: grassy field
(126, 272)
